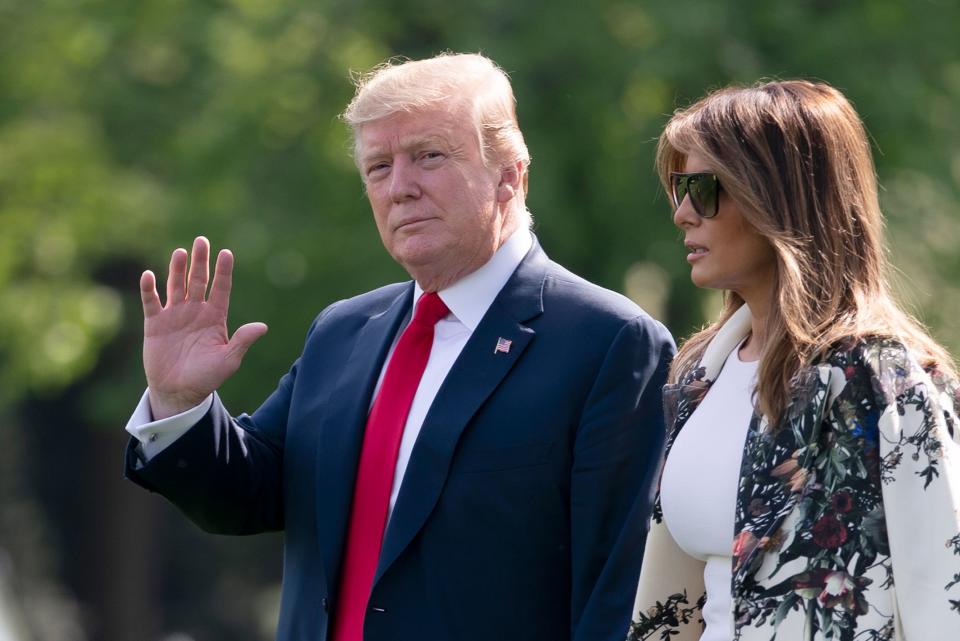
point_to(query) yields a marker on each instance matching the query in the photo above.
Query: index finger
(222, 281)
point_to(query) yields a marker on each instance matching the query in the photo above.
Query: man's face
(434, 201)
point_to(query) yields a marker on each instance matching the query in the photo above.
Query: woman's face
(725, 252)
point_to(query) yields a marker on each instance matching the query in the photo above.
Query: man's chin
(419, 261)
(418, 252)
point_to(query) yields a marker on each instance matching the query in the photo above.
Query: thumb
(244, 337)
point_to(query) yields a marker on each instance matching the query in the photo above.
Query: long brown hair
(795, 157)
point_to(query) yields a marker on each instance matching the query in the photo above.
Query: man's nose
(404, 184)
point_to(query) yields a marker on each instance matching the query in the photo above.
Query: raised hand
(187, 352)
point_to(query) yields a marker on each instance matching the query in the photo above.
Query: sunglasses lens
(679, 184)
(702, 188)
(703, 192)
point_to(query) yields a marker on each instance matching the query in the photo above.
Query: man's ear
(509, 182)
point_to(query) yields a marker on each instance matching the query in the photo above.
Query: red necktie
(378, 461)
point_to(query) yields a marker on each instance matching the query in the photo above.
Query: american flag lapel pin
(503, 346)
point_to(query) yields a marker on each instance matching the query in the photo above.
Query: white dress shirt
(468, 300)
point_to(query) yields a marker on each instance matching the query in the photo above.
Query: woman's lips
(696, 252)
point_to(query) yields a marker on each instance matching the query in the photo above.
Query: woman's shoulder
(868, 351)
(892, 368)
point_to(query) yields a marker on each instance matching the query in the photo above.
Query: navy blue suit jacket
(523, 511)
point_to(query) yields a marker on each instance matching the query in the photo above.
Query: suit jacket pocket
(499, 459)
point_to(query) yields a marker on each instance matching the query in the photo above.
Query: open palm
(187, 352)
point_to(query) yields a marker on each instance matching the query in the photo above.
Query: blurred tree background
(127, 128)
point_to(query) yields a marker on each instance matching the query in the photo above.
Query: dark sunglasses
(702, 187)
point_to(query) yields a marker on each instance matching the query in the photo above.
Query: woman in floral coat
(812, 483)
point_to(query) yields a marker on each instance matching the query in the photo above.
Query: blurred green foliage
(127, 128)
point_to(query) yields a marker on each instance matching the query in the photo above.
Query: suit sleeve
(225, 473)
(617, 456)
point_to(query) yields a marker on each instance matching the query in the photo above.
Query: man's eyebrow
(370, 153)
(410, 143)
(425, 141)
(428, 140)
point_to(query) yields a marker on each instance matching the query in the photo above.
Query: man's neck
(470, 297)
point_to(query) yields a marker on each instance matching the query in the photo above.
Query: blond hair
(398, 85)
(795, 157)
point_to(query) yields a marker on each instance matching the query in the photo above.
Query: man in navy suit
(466, 456)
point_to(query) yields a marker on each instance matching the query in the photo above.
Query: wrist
(166, 405)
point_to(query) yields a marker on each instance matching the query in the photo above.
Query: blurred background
(129, 127)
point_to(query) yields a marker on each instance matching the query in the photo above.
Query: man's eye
(431, 155)
(377, 168)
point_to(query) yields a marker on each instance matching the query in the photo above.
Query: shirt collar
(470, 297)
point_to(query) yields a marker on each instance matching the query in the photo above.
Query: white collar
(470, 297)
(725, 341)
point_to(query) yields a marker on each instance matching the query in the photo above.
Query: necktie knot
(430, 309)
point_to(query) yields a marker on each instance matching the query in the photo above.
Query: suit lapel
(474, 376)
(342, 430)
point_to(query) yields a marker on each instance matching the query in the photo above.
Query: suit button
(326, 605)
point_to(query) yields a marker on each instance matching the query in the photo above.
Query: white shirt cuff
(156, 436)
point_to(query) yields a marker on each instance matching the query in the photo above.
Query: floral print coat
(847, 520)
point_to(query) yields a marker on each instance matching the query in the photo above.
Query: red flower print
(842, 502)
(743, 545)
(829, 532)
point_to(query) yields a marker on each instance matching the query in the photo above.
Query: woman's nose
(685, 215)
